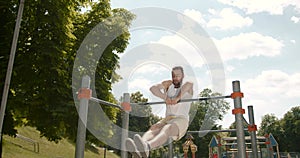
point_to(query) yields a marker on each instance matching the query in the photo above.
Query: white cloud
(195, 15)
(296, 3)
(140, 84)
(224, 19)
(256, 6)
(246, 45)
(153, 68)
(229, 68)
(228, 19)
(212, 11)
(272, 91)
(293, 41)
(187, 51)
(295, 19)
(274, 84)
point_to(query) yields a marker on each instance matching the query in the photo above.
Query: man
(176, 121)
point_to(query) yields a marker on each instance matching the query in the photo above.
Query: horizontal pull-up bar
(186, 100)
(209, 131)
(105, 102)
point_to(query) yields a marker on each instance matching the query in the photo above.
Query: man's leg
(167, 131)
(131, 147)
(150, 134)
(140, 141)
(157, 139)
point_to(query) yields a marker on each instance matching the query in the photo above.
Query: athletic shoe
(131, 147)
(142, 146)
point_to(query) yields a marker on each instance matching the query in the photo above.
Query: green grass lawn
(18, 148)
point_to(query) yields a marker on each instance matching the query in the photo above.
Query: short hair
(178, 68)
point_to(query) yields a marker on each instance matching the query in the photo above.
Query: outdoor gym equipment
(85, 95)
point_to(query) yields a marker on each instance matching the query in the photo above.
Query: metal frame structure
(251, 128)
(85, 95)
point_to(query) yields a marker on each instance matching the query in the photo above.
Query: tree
(285, 130)
(50, 35)
(291, 126)
(269, 124)
(102, 23)
(39, 73)
(141, 117)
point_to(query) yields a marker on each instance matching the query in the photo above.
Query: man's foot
(141, 145)
(131, 147)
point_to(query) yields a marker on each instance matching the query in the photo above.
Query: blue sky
(258, 42)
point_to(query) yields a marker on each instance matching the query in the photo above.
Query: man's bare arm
(159, 90)
(186, 88)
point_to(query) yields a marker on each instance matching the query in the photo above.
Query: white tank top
(180, 109)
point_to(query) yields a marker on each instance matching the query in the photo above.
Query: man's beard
(177, 85)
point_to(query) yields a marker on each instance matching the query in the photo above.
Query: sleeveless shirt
(180, 109)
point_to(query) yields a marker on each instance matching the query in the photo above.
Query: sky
(256, 42)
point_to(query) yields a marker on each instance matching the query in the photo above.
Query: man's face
(177, 77)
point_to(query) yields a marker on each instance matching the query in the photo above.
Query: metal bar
(10, 68)
(239, 121)
(170, 151)
(82, 121)
(209, 131)
(105, 102)
(246, 121)
(252, 133)
(186, 100)
(245, 143)
(246, 138)
(125, 126)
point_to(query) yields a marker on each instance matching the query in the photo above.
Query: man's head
(177, 76)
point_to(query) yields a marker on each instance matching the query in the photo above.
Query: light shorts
(181, 122)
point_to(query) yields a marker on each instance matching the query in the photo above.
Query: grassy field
(18, 148)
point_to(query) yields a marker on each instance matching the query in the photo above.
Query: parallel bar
(186, 100)
(105, 102)
(261, 143)
(82, 121)
(237, 101)
(125, 126)
(209, 131)
(252, 133)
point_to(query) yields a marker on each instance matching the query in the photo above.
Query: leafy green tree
(40, 78)
(291, 125)
(102, 23)
(140, 117)
(51, 33)
(269, 124)
(285, 130)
